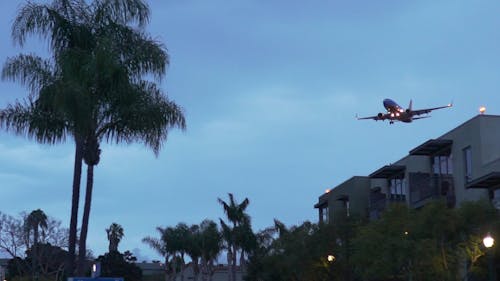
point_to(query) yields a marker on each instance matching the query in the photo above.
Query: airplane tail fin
(410, 105)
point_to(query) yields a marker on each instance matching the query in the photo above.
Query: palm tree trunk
(85, 221)
(75, 198)
(233, 264)
(34, 253)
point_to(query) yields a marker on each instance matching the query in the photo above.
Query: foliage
(296, 253)
(15, 242)
(238, 234)
(202, 243)
(116, 264)
(429, 244)
(115, 235)
(50, 262)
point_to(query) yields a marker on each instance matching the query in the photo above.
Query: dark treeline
(433, 243)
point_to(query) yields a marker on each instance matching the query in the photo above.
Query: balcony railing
(379, 201)
(425, 187)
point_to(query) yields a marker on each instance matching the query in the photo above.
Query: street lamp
(330, 258)
(488, 242)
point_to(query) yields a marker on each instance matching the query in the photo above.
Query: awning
(321, 204)
(438, 147)
(491, 180)
(388, 171)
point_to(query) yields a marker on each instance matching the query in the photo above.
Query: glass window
(347, 207)
(397, 186)
(468, 163)
(442, 165)
(324, 214)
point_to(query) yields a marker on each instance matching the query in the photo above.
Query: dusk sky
(270, 90)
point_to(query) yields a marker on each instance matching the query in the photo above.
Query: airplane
(396, 113)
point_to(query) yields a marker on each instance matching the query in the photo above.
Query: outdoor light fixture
(330, 258)
(488, 241)
(482, 109)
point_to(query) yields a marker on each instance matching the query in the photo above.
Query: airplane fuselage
(396, 112)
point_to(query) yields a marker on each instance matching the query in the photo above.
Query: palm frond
(121, 11)
(34, 121)
(135, 49)
(29, 70)
(147, 118)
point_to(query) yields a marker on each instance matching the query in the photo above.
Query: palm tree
(235, 236)
(158, 244)
(100, 94)
(115, 235)
(211, 246)
(34, 221)
(35, 119)
(165, 246)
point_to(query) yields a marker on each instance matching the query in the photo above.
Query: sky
(270, 90)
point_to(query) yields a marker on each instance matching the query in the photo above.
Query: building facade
(461, 165)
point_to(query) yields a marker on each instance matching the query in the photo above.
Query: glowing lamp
(488, 241)
(330, 258)
(482, 109)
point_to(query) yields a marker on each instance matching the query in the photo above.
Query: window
(468, 163)
(442, 165)
(324, 214)
(347, 207)
(397, 186)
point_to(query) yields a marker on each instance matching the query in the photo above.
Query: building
(461, 165)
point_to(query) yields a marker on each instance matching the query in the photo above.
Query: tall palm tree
(36, 119)
(100, 94)
(115, 235)
(235, 235)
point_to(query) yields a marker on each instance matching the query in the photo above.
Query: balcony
(379, 201)
(426, 187)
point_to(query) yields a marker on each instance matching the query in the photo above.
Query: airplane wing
(428, 110)
(376, 117)
(420, 117)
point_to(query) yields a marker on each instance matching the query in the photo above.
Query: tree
(42, 253)
(166, 247)
(293, 253)
(193, 248)
(115, 235)
(382, 249)
(211, 246)
(158, 244)
(12, 236)
(100, 62)
(35, 220)
(239, 234)
(114, 264)
(202, 243)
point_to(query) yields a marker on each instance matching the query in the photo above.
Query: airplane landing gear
(391, 122)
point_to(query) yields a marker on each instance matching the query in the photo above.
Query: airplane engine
(408, 110)
(380, 115)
